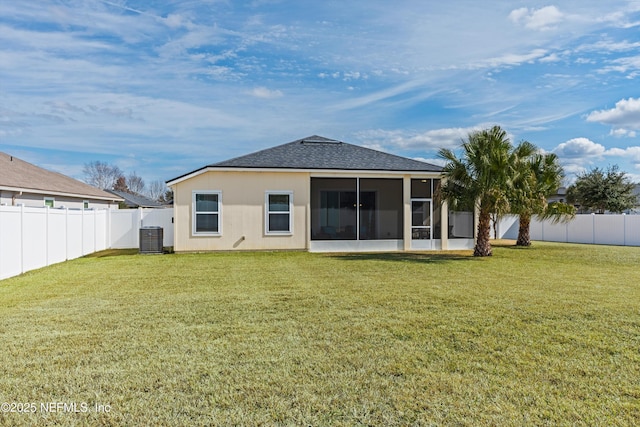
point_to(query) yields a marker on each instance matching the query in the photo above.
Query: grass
(548, 335)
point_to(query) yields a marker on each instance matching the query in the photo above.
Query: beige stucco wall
(243, 210)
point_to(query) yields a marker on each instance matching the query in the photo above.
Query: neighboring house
(132, 201)
(30, 185)
(315, 194)
(559, 196)
(636, 209)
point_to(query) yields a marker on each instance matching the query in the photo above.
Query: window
(206, 212)
(85, 204)
(49, 201)
(278, 212)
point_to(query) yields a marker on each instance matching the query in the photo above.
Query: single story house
(22, 183)
(316, 194)
(132, 201)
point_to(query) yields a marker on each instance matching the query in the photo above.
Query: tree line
(106, 176)
(496, 178)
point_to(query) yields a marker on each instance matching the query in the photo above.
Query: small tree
(156, 190)
(135, 183)
(121, 185)
(167, 197)
(101, 174)
(601, 191)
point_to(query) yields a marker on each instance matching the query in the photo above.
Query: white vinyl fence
(33, 237)
(620, 230)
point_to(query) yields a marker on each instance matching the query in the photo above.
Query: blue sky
(164, 87)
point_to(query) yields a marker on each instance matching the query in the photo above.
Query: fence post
(107, 237)
(22, 238)
(1, 244)
(82, 234)
(138, 225)
(46, 235)
(66, 234)
(624, 229)
(593, 228)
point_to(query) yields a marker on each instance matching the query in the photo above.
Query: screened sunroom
(357, 213)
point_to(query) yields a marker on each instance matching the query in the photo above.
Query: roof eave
(61, 193)
(293, 170)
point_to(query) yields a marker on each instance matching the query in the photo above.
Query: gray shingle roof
(24, 176)
(316, 152)
(135, 200)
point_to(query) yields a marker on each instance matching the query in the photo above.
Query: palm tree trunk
(483, 245)
(524, 230)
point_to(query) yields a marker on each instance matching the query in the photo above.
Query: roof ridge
(297, 141)
(316, 139)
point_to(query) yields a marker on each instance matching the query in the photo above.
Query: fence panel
(101, 240)
(554, 232)
(508, 227)
(535, 230)
(609, 229)
(580, 229)
(34, 233)
(74, 234)
(10, 241)
(632, 230)
(124, 228)
(88, 233)
(56, 236)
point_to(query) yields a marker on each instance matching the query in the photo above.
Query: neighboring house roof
(136, 200)
(320, 153)
(18, 175)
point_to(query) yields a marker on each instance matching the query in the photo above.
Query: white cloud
(550, 58)
(176, 21)
(625, 116)
(629, 64)
(579, 148)
(620, 133)
(578, 154)
(630, 153)
(352, 75)
(513, 58)
(608, 46)
(265, 93)
(542, 19)
(429, 140)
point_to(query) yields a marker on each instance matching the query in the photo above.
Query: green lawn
(543, 336)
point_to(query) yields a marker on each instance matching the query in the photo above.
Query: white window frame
(194, 213)
(50, 199)
(267, 212)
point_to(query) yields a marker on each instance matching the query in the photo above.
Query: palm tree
(541, 175)
(483, 178)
